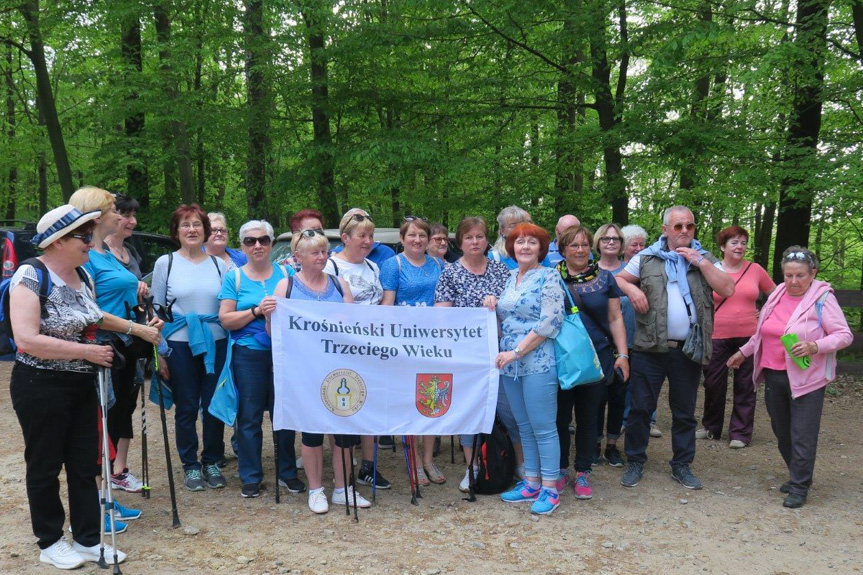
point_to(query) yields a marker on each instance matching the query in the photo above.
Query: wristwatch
(517, 352)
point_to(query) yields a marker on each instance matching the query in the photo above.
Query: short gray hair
(218, 216)
(257, 225)
(633, 231)
(799, 254)
(667, 215)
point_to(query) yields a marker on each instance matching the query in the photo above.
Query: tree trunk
(200, 179)
(12, 182)
(797, 188)
(688, 176)
(258, 104)
(567, 195)
(162, 16)
(324, 158)
(857, 16)
(137, 178)
(47, 106)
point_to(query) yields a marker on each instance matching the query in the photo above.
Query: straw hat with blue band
(59, 222)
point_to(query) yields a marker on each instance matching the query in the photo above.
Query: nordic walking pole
(145, 460)
(414, 465)
(452, 449)
(175, 516)
(354, 487)
(107, 492)
(375, 474)
(345, 476)
(406, 445)
(276, 457)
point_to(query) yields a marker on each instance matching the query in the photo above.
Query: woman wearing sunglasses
(410, 279)
(800, 329)
(246, 299)
(311, 247)
(190, 280)
(362, 275)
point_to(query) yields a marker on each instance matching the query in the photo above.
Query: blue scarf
(676, 266)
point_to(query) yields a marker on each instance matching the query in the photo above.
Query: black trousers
(649, 370)
(795, 423)
(126, 391)
(585, 399)
(58, 412)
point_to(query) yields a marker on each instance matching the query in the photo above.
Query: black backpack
(495, 456)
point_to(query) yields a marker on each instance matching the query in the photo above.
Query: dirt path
(735, 525)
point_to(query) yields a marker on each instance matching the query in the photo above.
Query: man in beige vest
(677, 278)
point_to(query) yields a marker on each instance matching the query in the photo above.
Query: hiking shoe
(562, 480)
(194, 480)
(655, 431)
(93, 553)
(612, 454)
(464, 486)
(704, 434)
(127, 482)
(251, 490)
(119, 526)
(300, 464)
(632, 475)
(785, 488)
(214, 477)
(123, 513)
(582, 487)
(794, 500)
(61, 555)
(367, 476)
(684, 476)
(548, 501)
(386, 441)
(521, 492)
(736, 444)
(318, 501)
(338, 498)
(293, 485)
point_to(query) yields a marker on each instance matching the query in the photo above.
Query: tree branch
(13, 43)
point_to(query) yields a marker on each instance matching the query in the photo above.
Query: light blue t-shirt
(250, 294)
(115, 285)
(413, 285)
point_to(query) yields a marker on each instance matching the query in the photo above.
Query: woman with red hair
(530, 311)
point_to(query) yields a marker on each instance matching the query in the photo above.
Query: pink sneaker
(582, 487)
(562, 480)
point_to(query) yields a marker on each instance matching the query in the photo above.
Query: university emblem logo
(433, 393)
(343, 392)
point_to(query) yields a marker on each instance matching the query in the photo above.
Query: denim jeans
(533, 399)
(649, 370)
(504, 412)
(253, 376)
(193, 390)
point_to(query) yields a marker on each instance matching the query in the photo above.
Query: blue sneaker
(547, 502)
(521, 492)
(124, 513)
(119, 526)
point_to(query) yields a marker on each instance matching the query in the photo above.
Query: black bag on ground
(494, 455)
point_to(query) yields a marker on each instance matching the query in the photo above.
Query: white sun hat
(59, 222)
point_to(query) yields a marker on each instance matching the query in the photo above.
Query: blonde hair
(348, 224)
(91, 198)
(316, 241)
(508, 215)
(603, 229)
(218, 216)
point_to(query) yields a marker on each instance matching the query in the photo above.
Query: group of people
(666, 310)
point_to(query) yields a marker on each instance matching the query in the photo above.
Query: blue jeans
(504, 412)
(193, 390)
(533, 399)
(253, 376)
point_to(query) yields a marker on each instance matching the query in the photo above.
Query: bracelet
(129, 330)
(623, 355)
(252, 309)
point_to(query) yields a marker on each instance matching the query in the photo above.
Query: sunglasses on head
(312, 233)
(798, 256)
(263, 240)
(679, 227)
(415, 218)
(361, 218)
(86, 238)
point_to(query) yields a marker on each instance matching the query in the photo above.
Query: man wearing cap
(677, 280)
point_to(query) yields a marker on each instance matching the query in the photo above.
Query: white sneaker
(93, 554)
(318, 501)
(736, 444)
(704, 434)
(464, 486)
(127, 482)
(61, 555)
(655, 431)
(300, 462)
(339, 498)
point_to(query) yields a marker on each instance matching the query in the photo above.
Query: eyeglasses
(439, 240)
(415, 218)
(263, 240)
(86, 238)
(313, 232)
(609, 240)
(361, 218)
(189, 225)
(679, 227)
(218, 231)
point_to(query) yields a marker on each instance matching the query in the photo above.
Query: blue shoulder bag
(577, 362)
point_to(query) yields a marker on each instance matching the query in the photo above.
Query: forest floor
(735, 525)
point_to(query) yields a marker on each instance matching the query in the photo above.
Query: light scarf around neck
(676, 266)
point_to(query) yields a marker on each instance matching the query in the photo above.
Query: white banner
(383, 370)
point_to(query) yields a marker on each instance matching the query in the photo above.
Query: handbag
(225, 400)
(577, 362)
